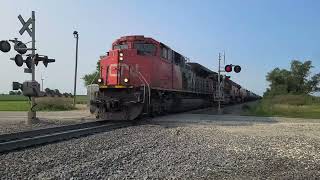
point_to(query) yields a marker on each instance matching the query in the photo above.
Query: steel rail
(41, 136)
(32, 133)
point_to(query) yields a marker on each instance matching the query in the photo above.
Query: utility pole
(219, 85)
(219, 92)
(42, 82)
(76, 35)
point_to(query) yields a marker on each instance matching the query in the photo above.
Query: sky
(258, 35)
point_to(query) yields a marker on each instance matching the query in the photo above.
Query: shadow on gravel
(182, 120)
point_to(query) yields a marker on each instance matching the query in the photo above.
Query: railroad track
(21, 140)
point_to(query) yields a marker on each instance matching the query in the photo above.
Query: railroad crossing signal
(29, 88)
(236, 68)
(219, 93)
(20, 47)
(44, 59)
(29, 62)
(5, 46)
(25, 25)
(18, 60)
(228, 68)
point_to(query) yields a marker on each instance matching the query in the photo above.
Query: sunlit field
(288, 106)
(21, 103)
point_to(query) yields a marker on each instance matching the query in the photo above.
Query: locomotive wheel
(157, 108)
(130, 112)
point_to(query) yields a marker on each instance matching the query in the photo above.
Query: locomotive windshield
(121, 46)
(145, 48)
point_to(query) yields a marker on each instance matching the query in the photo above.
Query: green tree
(313, 84)
(300, 72)
(93, 77)
(293, 81)
(12, 93)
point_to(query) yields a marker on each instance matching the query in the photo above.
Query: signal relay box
(28, 88)
(31, 88)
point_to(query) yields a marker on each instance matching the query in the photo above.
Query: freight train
(142, 76)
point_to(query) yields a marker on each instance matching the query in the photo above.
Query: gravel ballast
(162, 150)
(11, 122)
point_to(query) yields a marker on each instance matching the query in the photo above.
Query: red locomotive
(143, 76)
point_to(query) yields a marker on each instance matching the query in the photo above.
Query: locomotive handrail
(145, 82)
(149, 90)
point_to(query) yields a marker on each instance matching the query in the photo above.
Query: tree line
(15, 93)
(92, 78)
(297, 80)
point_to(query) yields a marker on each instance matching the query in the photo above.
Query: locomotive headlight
(121, 54)
(99, 80)
(126, 80)
(121, 58)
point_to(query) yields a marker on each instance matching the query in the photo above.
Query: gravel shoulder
(11, 121)
(182, 146)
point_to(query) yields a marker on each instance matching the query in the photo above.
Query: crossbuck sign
(25, 25)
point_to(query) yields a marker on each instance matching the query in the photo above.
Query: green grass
(301, 106)
(54, 104)
(14, 105)
(81, 99)
(20, 103)
(13, 98)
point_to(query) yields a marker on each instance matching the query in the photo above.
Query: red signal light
(228, 68)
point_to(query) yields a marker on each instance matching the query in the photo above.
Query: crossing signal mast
(219, 93)
(31, 88)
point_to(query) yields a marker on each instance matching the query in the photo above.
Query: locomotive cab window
(145, 48)
(170, 54)
(120, 46)
(164, 52)
(179, 59)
